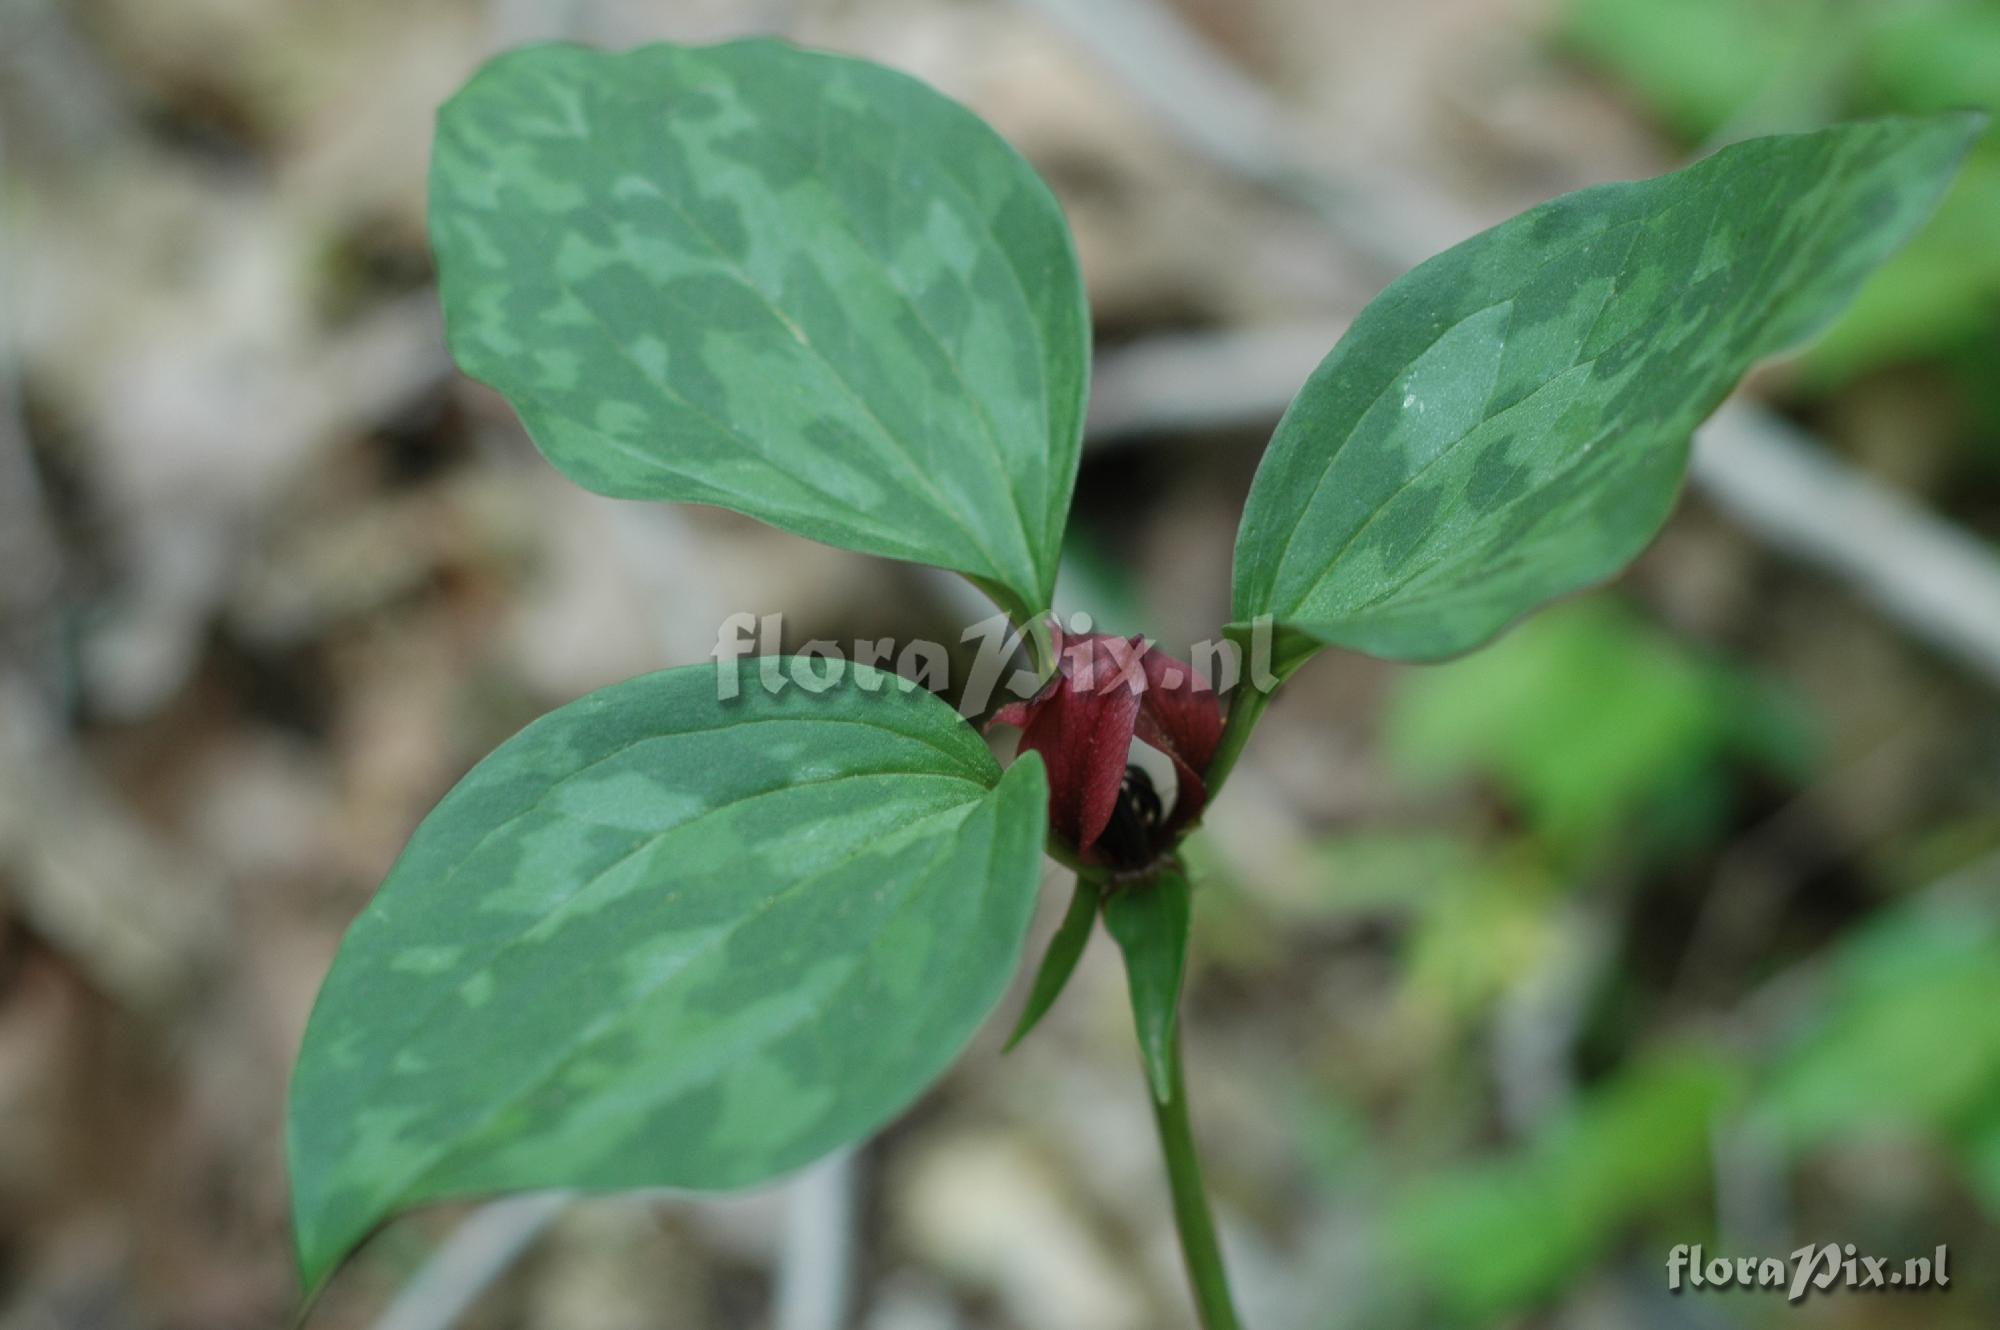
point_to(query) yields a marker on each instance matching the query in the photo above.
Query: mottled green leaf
(798, 286)
(1059, 962)
(1509, 421)
(662, 939)
(1149, 922)
(1705, 65)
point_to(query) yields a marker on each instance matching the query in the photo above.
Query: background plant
(660, 939)
(276, 576)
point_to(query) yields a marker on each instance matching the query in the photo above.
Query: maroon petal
(1183, 719)
(1099, 708)
(1182, 708)
(1081, 723)
(1016, 714)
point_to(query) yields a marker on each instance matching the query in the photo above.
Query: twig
(816, 1267)
(478, 1252)
(1938, 583)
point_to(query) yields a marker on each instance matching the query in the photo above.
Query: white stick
(815, 1272)
(478, 1252)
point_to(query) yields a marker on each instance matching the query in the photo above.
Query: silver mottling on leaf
(795, 285)
(1509, 421)
(662, 939)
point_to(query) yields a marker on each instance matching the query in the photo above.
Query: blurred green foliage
(1494, 1235)
(1612, 750)
(1479, 915)
(1898, 1040)
(1903, 1041)
(1604, 733)
(1725, 68)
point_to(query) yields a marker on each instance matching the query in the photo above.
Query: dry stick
(816, 1265)
(478, 1252)
(1938, 583)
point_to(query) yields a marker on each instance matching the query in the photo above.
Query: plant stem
(1199, 1249)
(1244, 709)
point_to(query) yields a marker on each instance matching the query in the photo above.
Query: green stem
(1199, 1248)
(1244, 710)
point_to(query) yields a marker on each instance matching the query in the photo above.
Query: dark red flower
(1105, 691)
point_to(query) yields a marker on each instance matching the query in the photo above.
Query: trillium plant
(690, 932)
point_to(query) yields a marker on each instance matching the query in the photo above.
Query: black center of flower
(1131, 838)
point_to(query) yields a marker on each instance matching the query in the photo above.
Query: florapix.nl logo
(1812, 1268)
(996, 646)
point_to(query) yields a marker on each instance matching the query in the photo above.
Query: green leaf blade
(1509, 422)
(659, 939)
(802, 287)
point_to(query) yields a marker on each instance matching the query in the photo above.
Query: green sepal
(1059, 962)
(1149, 921)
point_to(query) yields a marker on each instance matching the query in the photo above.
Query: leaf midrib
(723, 259)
